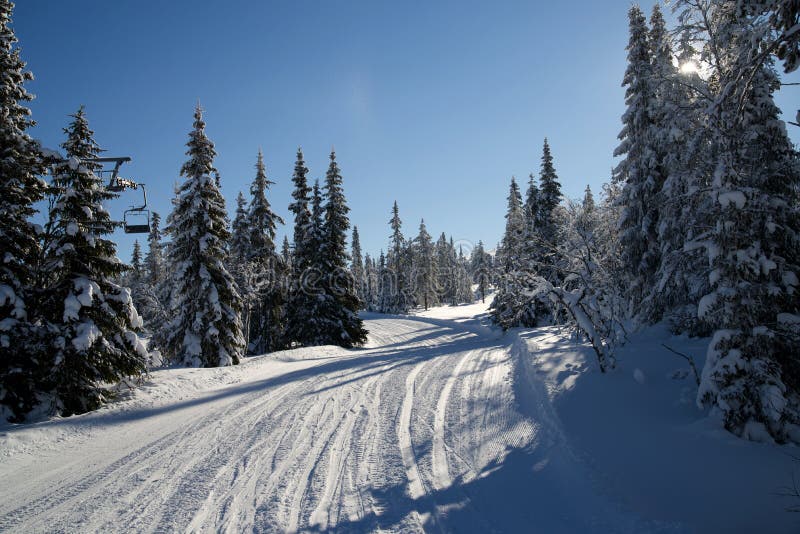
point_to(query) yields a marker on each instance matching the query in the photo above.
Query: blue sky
(433, 104)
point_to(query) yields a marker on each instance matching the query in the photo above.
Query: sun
(689, 67)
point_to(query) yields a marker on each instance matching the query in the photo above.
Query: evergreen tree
(357, 269)
(397, 266)
(344, 327)
(751, 374)
(286, 253)
(154, 259)
(445, 269)
(21, 353)
(425, 269)
(682, 142)
(136, 260)
(588, 200)
(585, 220)
(238, 265)
(267, 326)
(262, 221)
(464, 292)
(21, 356)
(206, 329)
(91, 321)
(548, 200)
(370, 283)
(136, 280)
(481, 268)
(304, 288)
(531, 214)
(239, 248)
(531, 254)
(386, 286)
(641, 169)
(511, 306)
(151, 296)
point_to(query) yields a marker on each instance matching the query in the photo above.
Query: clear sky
(433, 104)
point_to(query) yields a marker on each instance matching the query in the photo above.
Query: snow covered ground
(440, 424)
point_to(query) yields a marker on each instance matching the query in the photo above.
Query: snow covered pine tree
(207, 329)
(267, 324)
(344, 327)
(91, 321)
(20, 188)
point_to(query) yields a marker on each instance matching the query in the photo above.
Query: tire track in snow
(439, 464)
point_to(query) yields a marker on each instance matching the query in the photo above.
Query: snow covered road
(420, 430)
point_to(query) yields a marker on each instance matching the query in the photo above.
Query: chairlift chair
(136, 219)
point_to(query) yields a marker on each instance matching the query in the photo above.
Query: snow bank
(650, 449)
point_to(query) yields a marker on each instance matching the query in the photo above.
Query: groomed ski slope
(431, 427)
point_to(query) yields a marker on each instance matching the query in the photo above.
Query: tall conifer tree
(207, 328)
(91, 321)
(20, 188)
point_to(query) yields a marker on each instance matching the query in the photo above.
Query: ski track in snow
(387, 438)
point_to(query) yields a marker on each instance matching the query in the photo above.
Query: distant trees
(417, 272)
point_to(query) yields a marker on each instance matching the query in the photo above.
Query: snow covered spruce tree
(357, 268)
(386, 286)
(680, 136)
(286, 254)
(154, 259)
(136, 261)
(445, 269)
(481, 268)
(135, 278)
(20, 189)
(304, 285)
(370, 284)
(207, 329)
(267, 328)
(397, 295)
(237, 264)
(640, 170)
(548, 217)
(340, 323)
(239, 245)
(425, 270)
(752, 373)
(154, 293)
(91, 321)
(511, 305)
(464, 294)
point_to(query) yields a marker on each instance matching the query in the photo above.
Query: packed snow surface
(439, 424)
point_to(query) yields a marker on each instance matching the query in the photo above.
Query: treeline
(700, 225)
(419, 272)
